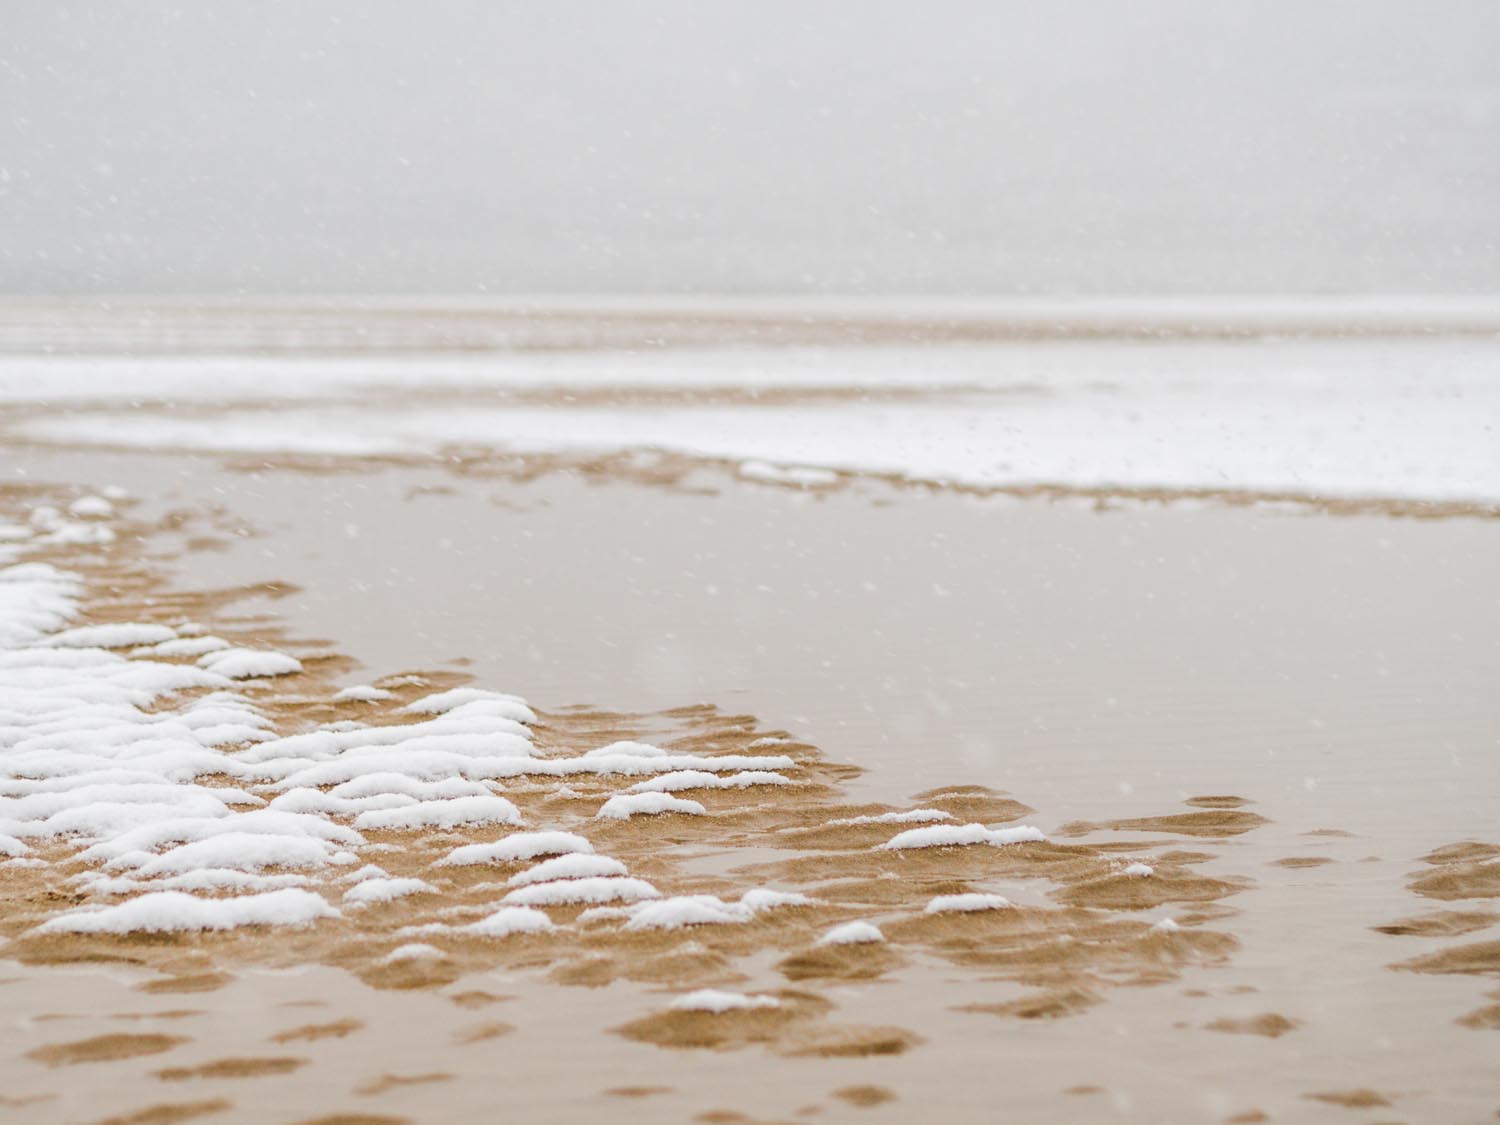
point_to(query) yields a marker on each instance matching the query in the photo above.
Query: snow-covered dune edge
(1411, 421)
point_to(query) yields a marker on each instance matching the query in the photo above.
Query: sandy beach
(752, 563)
(840, 790)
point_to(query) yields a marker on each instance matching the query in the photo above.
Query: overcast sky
(863, 146)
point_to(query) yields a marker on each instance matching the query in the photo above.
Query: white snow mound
(960, 835)
(517, 847)
(511, 920)
(568, 867)
(173, 911)
(718, 1001)
(249, 663)
(627, 805)
(852, 933)
(367, 892)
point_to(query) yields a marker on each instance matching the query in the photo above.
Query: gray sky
(861, 146)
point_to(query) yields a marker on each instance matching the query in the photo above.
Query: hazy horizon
(882, 149)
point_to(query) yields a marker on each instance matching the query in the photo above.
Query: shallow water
(1337, 671)
(1098, 662)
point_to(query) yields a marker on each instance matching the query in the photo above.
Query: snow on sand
(131, 743)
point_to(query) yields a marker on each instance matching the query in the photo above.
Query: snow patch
(627, 805)
(414, 951)
(122, 635)
(517, 847)
(91, 507)
(175, 912)
(442, 702)
(568, 867)
(183, 646)
(852, 933)
(960, 835)
(591, 891)
(718, 1001)
(510, 920)
(914, 816)
(678, 780)
(803, 476)
(965, 904)
(362, 693)
(697, 910)
(376, 890)
(449, 813)
(249, 663)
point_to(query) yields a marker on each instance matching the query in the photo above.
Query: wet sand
(1289, 718)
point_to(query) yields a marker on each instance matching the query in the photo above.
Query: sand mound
(1272, 1025)
(312, 1032)
(104, 1048)
(865, 1096)
(1481, 957)
(1351, 1099)
(1051, 1004)
(730, 1029)
(1456, 871)
(233, 1068)
(1219, 821)
(1442, 923)
(164, 1113)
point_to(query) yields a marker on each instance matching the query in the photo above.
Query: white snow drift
(130, 744)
